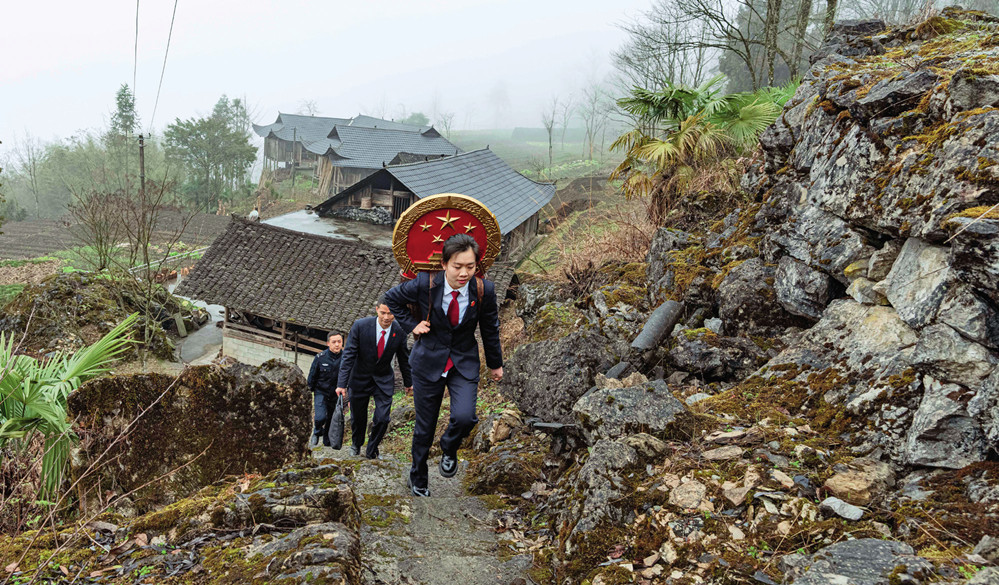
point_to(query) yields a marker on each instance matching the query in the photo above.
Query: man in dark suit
(366, 369)
(447, 353)
(322, 381)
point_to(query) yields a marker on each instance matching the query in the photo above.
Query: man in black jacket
(447, 353)
(366, 369)
(323, 381)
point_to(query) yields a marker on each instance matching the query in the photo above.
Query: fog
(490, 63)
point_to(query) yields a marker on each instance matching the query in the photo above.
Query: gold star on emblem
(425, 226)
(438, 239)
(447, 219)
(469, 227)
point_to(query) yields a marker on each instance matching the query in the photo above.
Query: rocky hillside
(823, 394)
(803, 391)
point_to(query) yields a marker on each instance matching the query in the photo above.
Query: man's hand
(409, 390)
(342, 392)
(496, 374)
(421, 328)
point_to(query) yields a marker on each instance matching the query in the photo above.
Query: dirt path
(447, 539)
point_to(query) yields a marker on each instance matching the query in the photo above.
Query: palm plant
(33, 396)
(682, 133)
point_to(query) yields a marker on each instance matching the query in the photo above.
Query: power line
(135, 54)
(163, 70)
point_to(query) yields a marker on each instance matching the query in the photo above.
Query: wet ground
(201, 345)
(310, 223)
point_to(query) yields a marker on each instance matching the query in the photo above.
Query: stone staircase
(447, 539)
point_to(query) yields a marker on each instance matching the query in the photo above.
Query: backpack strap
(480, 287)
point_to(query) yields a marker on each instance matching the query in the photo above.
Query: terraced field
(31, 239)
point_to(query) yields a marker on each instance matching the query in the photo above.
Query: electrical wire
(135, 54)
(163, 70)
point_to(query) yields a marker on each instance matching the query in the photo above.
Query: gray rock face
(971, 314)
(664, 241)
(546, 378)
(865, 561)
(969, 90)
(891, 97)
(584, 499)
(918, 281)
(984, 406)
(616, 412)
(714, 357)
(866, 343)
(824, 242)
(975, 254)
(948, 357)
(943, 432)
(801, 290)
(882, 260)
(747, 301)
(531, 296)
(863, 291)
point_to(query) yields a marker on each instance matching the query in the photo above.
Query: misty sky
(490, 62)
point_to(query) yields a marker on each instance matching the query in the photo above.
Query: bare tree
(444, 121)
(99, 224)
(566, 110)
(594, 110)
(548, 121)
(28, 153)
(308, 107)
(770, 24)
(663, 47)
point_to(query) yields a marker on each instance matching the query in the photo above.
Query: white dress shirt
(462, 299)
(378, 333)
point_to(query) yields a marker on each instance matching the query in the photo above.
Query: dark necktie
(452, 315)
(381, 345)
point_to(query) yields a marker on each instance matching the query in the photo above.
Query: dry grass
(618, 231)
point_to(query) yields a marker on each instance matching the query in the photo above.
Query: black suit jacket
(360, 365)
(431, 351)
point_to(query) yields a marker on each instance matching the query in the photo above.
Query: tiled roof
(310, 280)
(296, 127)
(372, 148)
(315, 130)
(481, 174)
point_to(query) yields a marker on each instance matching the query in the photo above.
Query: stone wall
(255, 354)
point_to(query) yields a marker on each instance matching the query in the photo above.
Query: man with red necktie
(366, 369)
(455, 302)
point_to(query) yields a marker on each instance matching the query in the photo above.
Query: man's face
(385, 317)
(460, 268)
(335, 343)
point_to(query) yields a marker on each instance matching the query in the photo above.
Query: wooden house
(284, 290)
(512, 197)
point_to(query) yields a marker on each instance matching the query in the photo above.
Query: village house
(514, 199)
(342, 151)
(284, 290)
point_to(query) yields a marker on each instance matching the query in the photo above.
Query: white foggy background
(493, 64)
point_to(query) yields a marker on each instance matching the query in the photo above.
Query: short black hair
(381, 301)
(457, 244)
(333, 334)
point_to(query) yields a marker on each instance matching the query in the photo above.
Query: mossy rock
(210, 422)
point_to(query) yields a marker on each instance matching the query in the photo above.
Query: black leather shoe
(417, 491)
(354, 451)
(448, 466)
(373, 454)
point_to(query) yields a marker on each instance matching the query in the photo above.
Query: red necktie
(452, 315)
(381, 345)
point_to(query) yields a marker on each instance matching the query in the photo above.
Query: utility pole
(294, 141)
(142, 169)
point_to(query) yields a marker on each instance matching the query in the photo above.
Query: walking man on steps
(366, 369)
(322, 381)
(455, 302)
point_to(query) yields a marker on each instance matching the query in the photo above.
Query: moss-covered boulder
(166, 438)
(69, 311)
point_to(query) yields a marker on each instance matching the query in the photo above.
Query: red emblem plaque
(422, 229)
